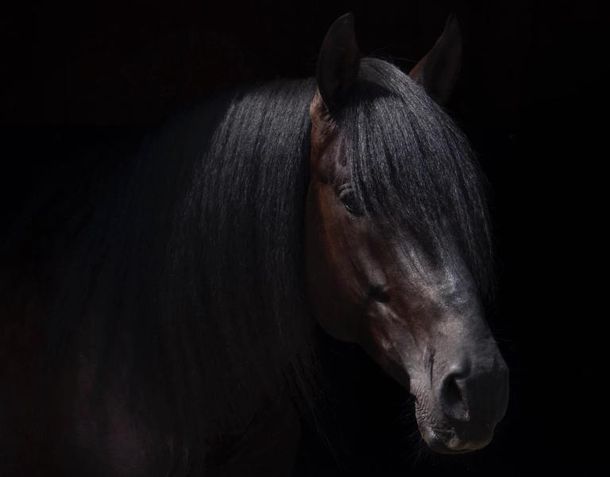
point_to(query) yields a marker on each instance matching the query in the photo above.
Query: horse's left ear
(338, 62)
(438, 71)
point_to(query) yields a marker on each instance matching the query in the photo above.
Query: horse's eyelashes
(379, 293)
(351, 202)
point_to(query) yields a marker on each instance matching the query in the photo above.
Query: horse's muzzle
(471, 399)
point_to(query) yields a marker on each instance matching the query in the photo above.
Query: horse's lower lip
(435, 443)
(441, 446)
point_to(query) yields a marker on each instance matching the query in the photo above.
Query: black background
(529, 98)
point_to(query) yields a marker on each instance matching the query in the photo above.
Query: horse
(158, 311)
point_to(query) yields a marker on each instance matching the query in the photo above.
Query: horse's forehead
(444, 278)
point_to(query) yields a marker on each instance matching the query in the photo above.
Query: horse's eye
(351, 202)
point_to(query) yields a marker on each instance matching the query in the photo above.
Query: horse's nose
(453, 393)
(473, 394)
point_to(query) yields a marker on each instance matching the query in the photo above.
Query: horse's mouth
(448, 442)
(439, 443)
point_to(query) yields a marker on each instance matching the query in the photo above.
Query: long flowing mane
(181, 272)
(240, 280)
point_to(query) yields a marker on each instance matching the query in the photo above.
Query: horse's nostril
(452, 396)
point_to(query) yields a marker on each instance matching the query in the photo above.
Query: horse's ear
(338, 61)
(438, 71)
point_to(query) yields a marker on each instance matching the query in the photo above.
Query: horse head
(397, 240)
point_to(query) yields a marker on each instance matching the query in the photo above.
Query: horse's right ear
(338, 62)
(438, 71)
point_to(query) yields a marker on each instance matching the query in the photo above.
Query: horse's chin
(445, 439)
(447, 442)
